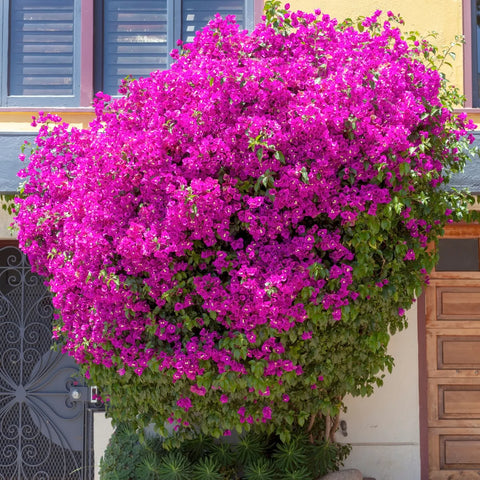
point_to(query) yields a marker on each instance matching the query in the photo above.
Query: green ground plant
(252, 457)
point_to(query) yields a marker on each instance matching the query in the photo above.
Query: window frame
(7, 100)
(86, 48)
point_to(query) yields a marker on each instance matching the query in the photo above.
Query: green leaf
(404, 168)
(280, 157)
(260, 154)
(304, 176)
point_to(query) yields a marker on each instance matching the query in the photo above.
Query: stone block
(349, 474)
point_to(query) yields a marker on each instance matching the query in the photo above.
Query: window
(55, 53)
(40, 49)
(458, 254)
(135, 37)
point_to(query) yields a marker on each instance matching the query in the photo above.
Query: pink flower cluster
(179, 231)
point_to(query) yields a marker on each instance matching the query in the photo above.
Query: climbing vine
(231, 242)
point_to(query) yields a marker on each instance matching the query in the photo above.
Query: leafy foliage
(301, 473)
(256, 225)
(175, 466)
(249, 447)
(207, 469)
(198, 446)
(325, 457)
(268, 459)
(123, 456)
(261, 469)
(149, 466)
(292, 454)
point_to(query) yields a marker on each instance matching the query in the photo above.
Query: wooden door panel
(454, 453)
(460, 402)
(452, 355)
(453, 304)
(454, 402)
(458, 303)
(455, 475)
(458, 352)
(459, 452)
(453, 378)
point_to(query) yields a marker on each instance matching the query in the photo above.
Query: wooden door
(453, 360)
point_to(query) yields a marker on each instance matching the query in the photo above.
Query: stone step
(348, 474)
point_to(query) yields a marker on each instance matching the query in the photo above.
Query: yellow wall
(424, 16)
(16, 128)
(443, 16)
(20, 121)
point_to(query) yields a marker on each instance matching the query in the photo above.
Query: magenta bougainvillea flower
(230, 242)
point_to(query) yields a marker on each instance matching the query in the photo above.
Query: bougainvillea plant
(232, 241)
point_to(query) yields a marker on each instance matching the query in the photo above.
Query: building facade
(424, 423)
(54, 55)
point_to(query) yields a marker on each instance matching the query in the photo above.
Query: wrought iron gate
(45, 423)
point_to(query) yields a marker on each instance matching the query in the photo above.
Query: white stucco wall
(102, 431)
(384, 429)
(5, 221)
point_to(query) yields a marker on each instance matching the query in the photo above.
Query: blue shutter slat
(135, 40)
(138, 35)
(197, 13)
(41, 39)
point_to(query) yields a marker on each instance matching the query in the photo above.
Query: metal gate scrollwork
(45, 425)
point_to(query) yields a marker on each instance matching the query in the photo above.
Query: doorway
(452, 338)
(45, 421)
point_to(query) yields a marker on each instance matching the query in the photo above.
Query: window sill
(48, 109)
(472, 113)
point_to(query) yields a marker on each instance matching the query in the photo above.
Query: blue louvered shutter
(44, 52)
(138, 35)
(135, 40)
(197, 13)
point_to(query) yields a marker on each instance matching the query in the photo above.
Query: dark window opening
(458, 255)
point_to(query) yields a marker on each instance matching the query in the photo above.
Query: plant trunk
(331, 426)
(334, 422)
